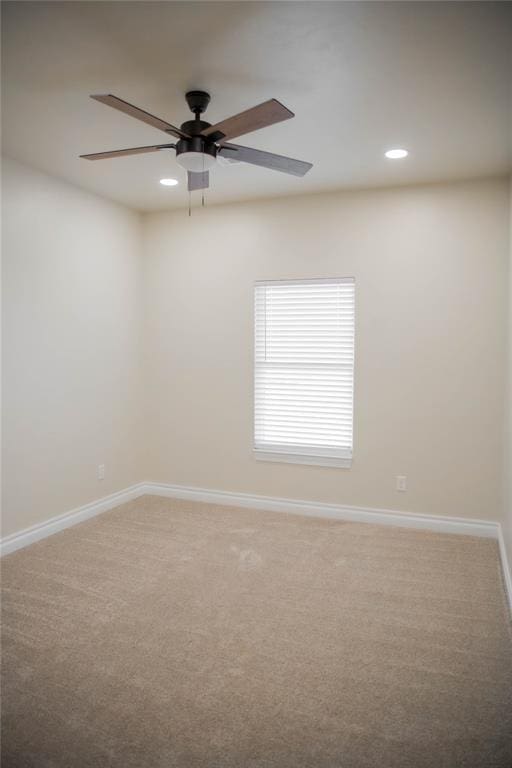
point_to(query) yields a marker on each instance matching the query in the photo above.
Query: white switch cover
(401, 483)
(101, 471)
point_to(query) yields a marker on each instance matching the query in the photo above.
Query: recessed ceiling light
(169, 182)
(396, 154)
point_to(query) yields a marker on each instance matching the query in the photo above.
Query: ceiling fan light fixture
(195, 162)
(169, 182)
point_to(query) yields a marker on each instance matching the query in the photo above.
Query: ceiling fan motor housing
(197, 101)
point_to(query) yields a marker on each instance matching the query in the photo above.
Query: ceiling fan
(199, 143)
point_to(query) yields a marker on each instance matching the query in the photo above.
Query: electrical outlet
(101, 471)
(401, 483)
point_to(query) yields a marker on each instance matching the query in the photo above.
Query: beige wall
(71, 328)
(430, 268)
(507, 512)
(430, 265)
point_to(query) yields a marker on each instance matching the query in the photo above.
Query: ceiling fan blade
(199, 180)
(268, 113)
(124, 152)
(265, 159)
(139, 114)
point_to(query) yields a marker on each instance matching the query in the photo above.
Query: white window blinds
(304, 371)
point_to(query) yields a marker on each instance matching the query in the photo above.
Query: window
(304, 371)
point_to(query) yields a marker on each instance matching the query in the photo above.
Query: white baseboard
(28, 536)
(456, 525)
(505, 566)
(459, 525)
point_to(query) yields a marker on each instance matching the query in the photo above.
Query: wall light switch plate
(101, 471)
(401, 483)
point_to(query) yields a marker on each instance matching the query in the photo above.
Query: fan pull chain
(190, 203)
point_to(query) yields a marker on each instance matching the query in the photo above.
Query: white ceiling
(361, 77)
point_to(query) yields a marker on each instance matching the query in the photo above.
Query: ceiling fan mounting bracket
(197, 101)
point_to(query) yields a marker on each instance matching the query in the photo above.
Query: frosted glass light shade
(196, 162)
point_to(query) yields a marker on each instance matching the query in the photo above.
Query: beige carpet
(167, 633)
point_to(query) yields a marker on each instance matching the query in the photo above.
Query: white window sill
(297, 458)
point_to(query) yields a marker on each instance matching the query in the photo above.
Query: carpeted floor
(170, 634)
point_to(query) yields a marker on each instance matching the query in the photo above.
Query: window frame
(341, 458)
